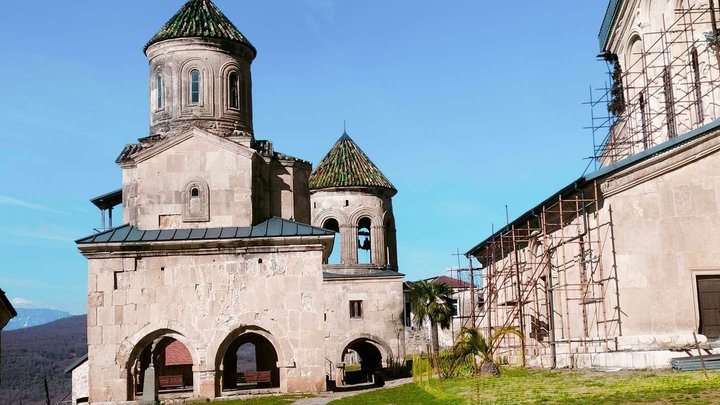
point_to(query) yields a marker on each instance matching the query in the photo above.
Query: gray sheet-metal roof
(367, 274)
(76, 364)
(108, 200)
(273, 227)
(609, 22)
(606, 171)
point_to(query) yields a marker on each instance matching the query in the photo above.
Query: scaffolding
(468, 304)
(667, 85)
(552, 275)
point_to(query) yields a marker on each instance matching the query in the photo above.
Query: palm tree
(432, 302)
(472, 343)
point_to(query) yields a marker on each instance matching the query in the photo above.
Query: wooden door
(708, 288)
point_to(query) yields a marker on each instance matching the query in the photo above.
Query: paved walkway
(326, 397)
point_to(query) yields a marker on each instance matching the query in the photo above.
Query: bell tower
(351, 196)
(200, 74)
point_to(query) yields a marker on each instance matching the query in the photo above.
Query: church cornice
(129, 159)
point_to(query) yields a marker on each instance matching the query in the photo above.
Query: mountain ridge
(29, 317)
(31, 354)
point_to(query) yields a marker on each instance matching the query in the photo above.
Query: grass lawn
(268, 400)
(518, 386)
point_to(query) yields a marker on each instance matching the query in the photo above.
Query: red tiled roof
(452, 282)
(176, 354)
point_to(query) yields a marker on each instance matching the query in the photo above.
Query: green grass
(267, 400)
(519, 386)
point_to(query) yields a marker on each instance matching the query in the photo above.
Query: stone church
(228, 251)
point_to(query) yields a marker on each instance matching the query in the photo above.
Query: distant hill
(27, 317)
(30, 354)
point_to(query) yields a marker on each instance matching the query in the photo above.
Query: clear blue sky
(465, 106)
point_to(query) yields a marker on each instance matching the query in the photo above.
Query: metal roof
(76, 364)
(605, 171)
(609, 22)
(367, 274)
(273, 227)
(108, 200)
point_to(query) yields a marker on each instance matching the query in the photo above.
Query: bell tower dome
(200, 74)
(351, 196)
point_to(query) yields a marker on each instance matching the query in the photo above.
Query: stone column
(348, 243)
(150, 393)
(205, 383)
(377, 238)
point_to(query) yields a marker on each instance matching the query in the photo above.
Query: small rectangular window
(356, 309)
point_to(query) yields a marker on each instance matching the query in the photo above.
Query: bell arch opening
(364, 243)
(332, 224)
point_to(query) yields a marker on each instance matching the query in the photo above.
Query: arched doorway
(250, 362)
(362, 359)
(172, 365)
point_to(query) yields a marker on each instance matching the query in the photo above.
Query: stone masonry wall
(201, 298)
(382, 315)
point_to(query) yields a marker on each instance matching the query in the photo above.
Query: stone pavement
(326, 397)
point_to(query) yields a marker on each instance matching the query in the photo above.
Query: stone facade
(80, 374)
(218, 252)
(380, 322)
(612, 270)
(348, 208)
(666, 72)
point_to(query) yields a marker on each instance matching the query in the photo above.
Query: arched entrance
(362, 359)
(165, 357)
(249, 362)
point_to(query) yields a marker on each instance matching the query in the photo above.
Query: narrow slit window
(194, 87)
(234, 91)
(159, 92)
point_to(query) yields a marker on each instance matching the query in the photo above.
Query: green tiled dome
(346, 165)
(200, 18)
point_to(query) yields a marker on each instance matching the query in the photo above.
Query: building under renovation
(223, 258)
(622, 266)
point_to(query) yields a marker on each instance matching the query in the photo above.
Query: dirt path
(326, 397)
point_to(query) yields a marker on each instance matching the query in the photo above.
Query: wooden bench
(255, 377)
(167, 382)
